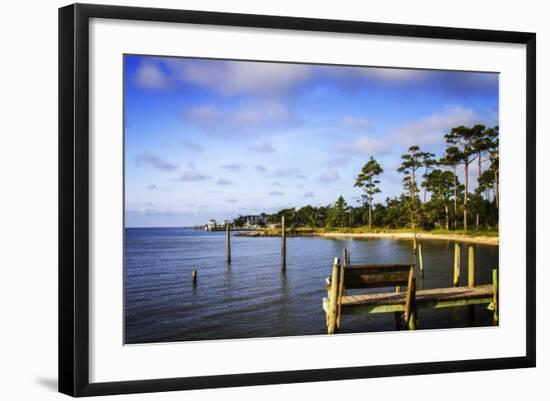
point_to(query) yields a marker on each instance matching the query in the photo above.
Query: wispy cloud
(236, 78)
(232, 200)
(329, 177)
(152, 187)
(276, 193)
(260, 169)
(154, 161)
(234, 167)
(364, 145)
(358, 123)
(337, 162)
(193, 146)
(224, 182)
(264, 147)
(309, 194)
(192, 175)
(149, 75)
(289, 172)
(244, 118)
(430, 130)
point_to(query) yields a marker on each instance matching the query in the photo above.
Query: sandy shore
(421, 236)
(485, 240)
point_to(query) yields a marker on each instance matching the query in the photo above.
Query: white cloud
(246, 117)
(359, 123)
(192, 175)
(150, 76)
(155, 161)
(276, 193)
(337, 162)
(289, 172)
(329, 177)
(224, 182)
(364, 145)
(260, 169)
(430, 130)
(235, 78)
(233, 167)
(264, 147)
(193, 146)
(396, 74)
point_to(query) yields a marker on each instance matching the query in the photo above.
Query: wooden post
(410, 304)
(228, 243)
(283, 244)
(333, 298)
(495, 296)
(345, 257)
(420, 259)
(397, 315)
(456, 276)
(194, 277)
(341, 290)
(471, 266)
(414, 244)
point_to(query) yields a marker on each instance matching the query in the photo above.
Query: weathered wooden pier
(404, 304)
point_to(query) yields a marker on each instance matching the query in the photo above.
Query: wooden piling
(471, 266)
(228, 243)
(283, 244)
(194, 277)
(495, 296)
(333, 297)
(456, 276)
(410, 305)
(341, 289)
(414, 244)
(420, 260)
(397, 315)
(345, 257)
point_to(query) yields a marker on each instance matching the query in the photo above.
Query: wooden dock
(404, 304)
(425, 299)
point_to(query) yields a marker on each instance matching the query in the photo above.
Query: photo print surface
(267, 199)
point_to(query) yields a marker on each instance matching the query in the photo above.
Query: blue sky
(215, 138)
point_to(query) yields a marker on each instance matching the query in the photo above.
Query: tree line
(433, 196)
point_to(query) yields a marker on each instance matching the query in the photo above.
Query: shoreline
(484, 240)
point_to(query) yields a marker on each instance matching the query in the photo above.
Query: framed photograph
(251, 199)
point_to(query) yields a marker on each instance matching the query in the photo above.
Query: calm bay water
(251, 297)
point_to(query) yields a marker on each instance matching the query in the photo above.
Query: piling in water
(420, 261)
(333, 295)
(495, 296)
(228, 242)
(345, 257)
(194, 277)
(456, 276)
(283, 244)
(471, 266)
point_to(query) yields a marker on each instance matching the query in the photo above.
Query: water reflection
(252, 297)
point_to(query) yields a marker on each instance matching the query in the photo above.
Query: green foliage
(449, 200)
(338, 216)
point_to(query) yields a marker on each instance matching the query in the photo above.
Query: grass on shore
(366, 230)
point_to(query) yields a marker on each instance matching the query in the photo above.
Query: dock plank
(430, 298)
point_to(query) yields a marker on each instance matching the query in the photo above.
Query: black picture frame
(74, 198)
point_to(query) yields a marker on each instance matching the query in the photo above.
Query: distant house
(254, 220)
(211, 225)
